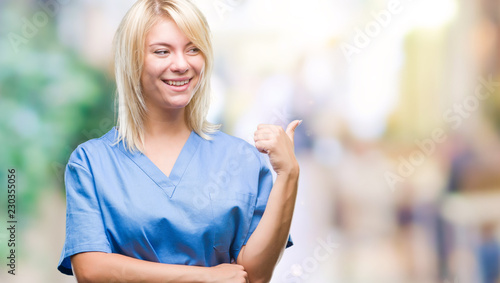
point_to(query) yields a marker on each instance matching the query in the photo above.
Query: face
(172, 67)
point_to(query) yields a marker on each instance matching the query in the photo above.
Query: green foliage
(50, 101)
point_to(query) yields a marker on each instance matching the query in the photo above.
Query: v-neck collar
(167, 184)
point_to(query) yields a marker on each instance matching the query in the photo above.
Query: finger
(290, 130)
(262, 136)
(266, 130)
(245, 275)
(263, 146)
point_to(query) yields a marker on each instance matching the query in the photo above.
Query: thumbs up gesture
(279, 145)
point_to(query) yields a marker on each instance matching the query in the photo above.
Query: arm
(108, 267)
(266, 245)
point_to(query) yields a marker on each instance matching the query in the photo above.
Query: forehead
(166, 31)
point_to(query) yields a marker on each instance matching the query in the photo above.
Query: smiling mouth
(177, 83)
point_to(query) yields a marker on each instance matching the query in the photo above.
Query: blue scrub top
(202, 214)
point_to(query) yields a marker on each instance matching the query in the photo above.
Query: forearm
(109, 267)
(263, 249)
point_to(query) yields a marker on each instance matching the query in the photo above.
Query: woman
(165, 196)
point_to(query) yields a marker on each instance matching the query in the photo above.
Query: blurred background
(399, 149)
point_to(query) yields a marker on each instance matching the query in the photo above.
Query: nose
(179, 64)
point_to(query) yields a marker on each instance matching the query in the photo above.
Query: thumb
(290, 130)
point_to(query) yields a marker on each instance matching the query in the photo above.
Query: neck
(165, 124)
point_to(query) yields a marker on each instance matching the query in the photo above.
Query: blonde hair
(129, 47)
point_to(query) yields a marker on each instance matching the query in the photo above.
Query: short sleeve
(265, 184)
(84, 223)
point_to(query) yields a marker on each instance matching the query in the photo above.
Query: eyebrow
(166, 44)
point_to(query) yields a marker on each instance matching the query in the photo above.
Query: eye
(162, 52)
(194, 50)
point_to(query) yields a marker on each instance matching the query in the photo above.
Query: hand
(228, 273)
(278, 144)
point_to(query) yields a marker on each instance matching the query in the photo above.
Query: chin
(178, 103)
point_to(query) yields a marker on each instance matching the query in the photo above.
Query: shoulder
(92, 148)
(221, 137)
(237, 147)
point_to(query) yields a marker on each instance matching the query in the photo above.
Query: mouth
(178, 85)
(177, 82)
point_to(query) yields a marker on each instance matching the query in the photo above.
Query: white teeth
(178, 83)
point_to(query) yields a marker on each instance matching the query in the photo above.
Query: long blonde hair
(129, 47)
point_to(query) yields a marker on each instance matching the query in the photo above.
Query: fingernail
(300, 122)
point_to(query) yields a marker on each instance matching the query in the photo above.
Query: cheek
(149, 77)
(198, 63)
(151, 70)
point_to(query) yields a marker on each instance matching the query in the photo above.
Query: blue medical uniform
(118, 201)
